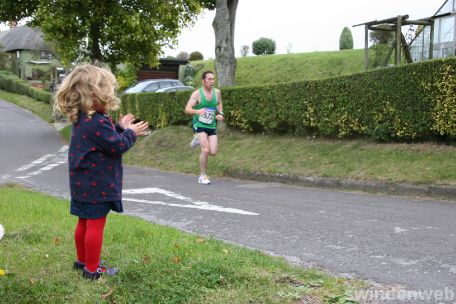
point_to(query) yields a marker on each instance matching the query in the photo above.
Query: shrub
(403, 103)
(346, 39)
(182, 55)
(126, 77)
(264, 46)
(195, 56)
(11, 83)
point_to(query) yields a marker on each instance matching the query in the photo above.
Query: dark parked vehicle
(153, 85)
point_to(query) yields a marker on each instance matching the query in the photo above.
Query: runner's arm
(220, 113)
(191, 103)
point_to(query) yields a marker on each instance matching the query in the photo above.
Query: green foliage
(400, 103)
(126, 77)
(381, 37)
(264, 46)
(195, 56)
(13, 10)
(3, 59)
(346, 39)
(131, 31)
(158, 109)
(444, 111)
(377, 55)
(190, 71)
(11, 83)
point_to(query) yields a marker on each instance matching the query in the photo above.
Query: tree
(195, 56)
(346, 39)
(223, 24)
(11, 10)
(117, 31)
(245, 50)
(381, 37)
(264, 46)
(182, 55)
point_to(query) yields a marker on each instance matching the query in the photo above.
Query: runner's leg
(204, 143)
(212, 144)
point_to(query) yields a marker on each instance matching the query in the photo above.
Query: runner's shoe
(195, 142)
(203, 180)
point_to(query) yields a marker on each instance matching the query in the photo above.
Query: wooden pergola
(395, 24)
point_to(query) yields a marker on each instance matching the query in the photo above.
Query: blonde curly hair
(85, 89)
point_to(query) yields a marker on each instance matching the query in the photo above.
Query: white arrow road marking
(193, 204)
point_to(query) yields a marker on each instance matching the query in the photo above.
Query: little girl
(94, 158)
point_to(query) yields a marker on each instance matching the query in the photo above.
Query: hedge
(409, 102)
(11, 83)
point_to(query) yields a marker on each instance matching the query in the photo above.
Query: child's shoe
(97, 274)
(78, 265)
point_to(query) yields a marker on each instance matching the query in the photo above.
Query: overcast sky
(306, 25)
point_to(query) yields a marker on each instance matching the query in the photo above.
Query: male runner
(205, 105)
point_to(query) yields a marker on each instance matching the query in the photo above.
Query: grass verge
(255, 70)
(420, 163)
(41, 109)
(158, 264)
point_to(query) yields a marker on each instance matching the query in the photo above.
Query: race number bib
(208, 116)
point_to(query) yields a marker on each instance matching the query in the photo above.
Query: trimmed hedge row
(158, 109)
(412, 101)
(11, 83)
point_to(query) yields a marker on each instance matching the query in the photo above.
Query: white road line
(48, 167)
(207, 207)
(192, 204)
(58, 159)
(35, 162)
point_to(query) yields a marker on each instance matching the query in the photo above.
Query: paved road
(392, 241)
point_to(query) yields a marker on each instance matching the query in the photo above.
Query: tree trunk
(223, 24)
(94, 44)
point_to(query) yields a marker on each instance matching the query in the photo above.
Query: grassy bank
(41, 109)
(254, 70)
(168, 149)
(158, 264)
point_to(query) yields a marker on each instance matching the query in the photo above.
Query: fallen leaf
(56, 240)
(108, 294)
(2, 272)
(146, 259)
(176, 260)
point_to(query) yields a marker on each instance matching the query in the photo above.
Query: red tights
(88, 238)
